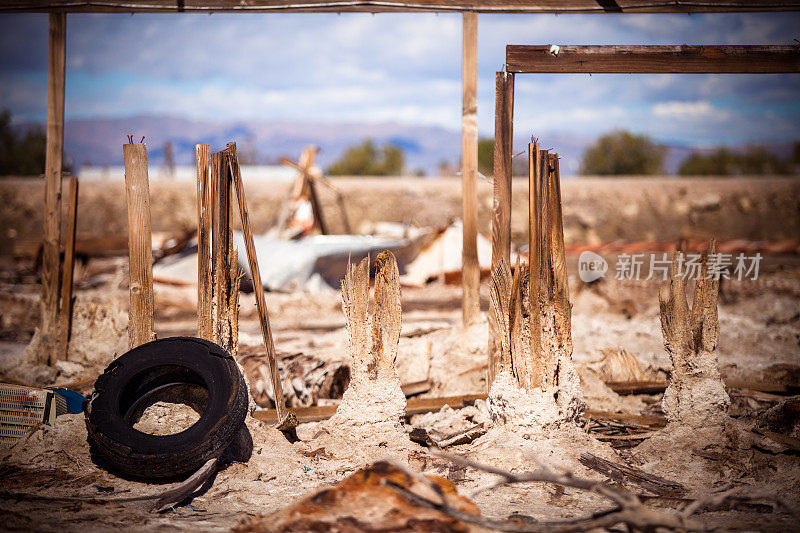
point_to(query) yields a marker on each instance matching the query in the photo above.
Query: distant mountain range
(96, 142)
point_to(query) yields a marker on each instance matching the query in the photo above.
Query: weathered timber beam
(470, 268)
(65, 311)
(204, 277)
(376, 6)
(52, 191)
(140, 245)
(653, 59)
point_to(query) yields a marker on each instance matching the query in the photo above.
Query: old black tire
(140, 375)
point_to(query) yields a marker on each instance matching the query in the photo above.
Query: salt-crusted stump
(374, 400)
(537, 384)
(696, 394)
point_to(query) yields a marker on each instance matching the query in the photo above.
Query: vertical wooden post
(52, 192)
(535, 261)
(65, 311)
(225, 291)
(501, 212)
(204, 291)
(285, 420)
(470, 268)
(140, 247)
(559, 261)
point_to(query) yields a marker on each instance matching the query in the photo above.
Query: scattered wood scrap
(629, 475)
(414, 406)
(659, 386)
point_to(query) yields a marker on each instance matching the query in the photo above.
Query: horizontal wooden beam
(375, 6)
(652, 59)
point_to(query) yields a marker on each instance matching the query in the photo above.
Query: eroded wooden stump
(696, 393)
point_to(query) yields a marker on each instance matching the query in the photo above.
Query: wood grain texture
(563, 307)
(204, 279)
(255, 274)
(52, 194)
(501, 206)
(377, 6)
(503, 135)
(536, 378)
(225, 278)
(65, 310)
(653, 59)
(140, 247)
(470, 268)
(387, 316)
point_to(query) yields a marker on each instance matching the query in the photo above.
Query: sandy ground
(49, 482)
(760, 328)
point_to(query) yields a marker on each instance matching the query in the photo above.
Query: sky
(403, 68)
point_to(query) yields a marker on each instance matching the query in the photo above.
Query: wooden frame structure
(569, 59)
(384, 6)
(520, 59)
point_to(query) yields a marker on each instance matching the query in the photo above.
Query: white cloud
(683, 109)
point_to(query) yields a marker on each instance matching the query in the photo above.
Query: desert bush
(366, 159)
(623, 152)
(21, 152)
(726, 162)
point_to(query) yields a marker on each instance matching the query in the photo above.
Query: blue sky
(396, 68)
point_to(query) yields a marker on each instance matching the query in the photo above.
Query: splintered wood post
(225, 285)
(470, 268)
(374, 395)
(65, 311)
(355, 306)
(545, 222)
(140, 247)
(696, 393)
(387, 318)
(204, 278)
(563, 307)
(501, 315)
(501, 212)
(535, 262)
(52, 192)
(286, 420)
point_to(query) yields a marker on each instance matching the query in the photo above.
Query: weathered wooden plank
(653, 59)
(285, 419)
(51, 256)
(470, 268)
(65, 311)
(503, 135)
(204, 279)
(376, 6)
(224, 269)
(140, 247)
(501, 206)
(414, 406)
(535, 261)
